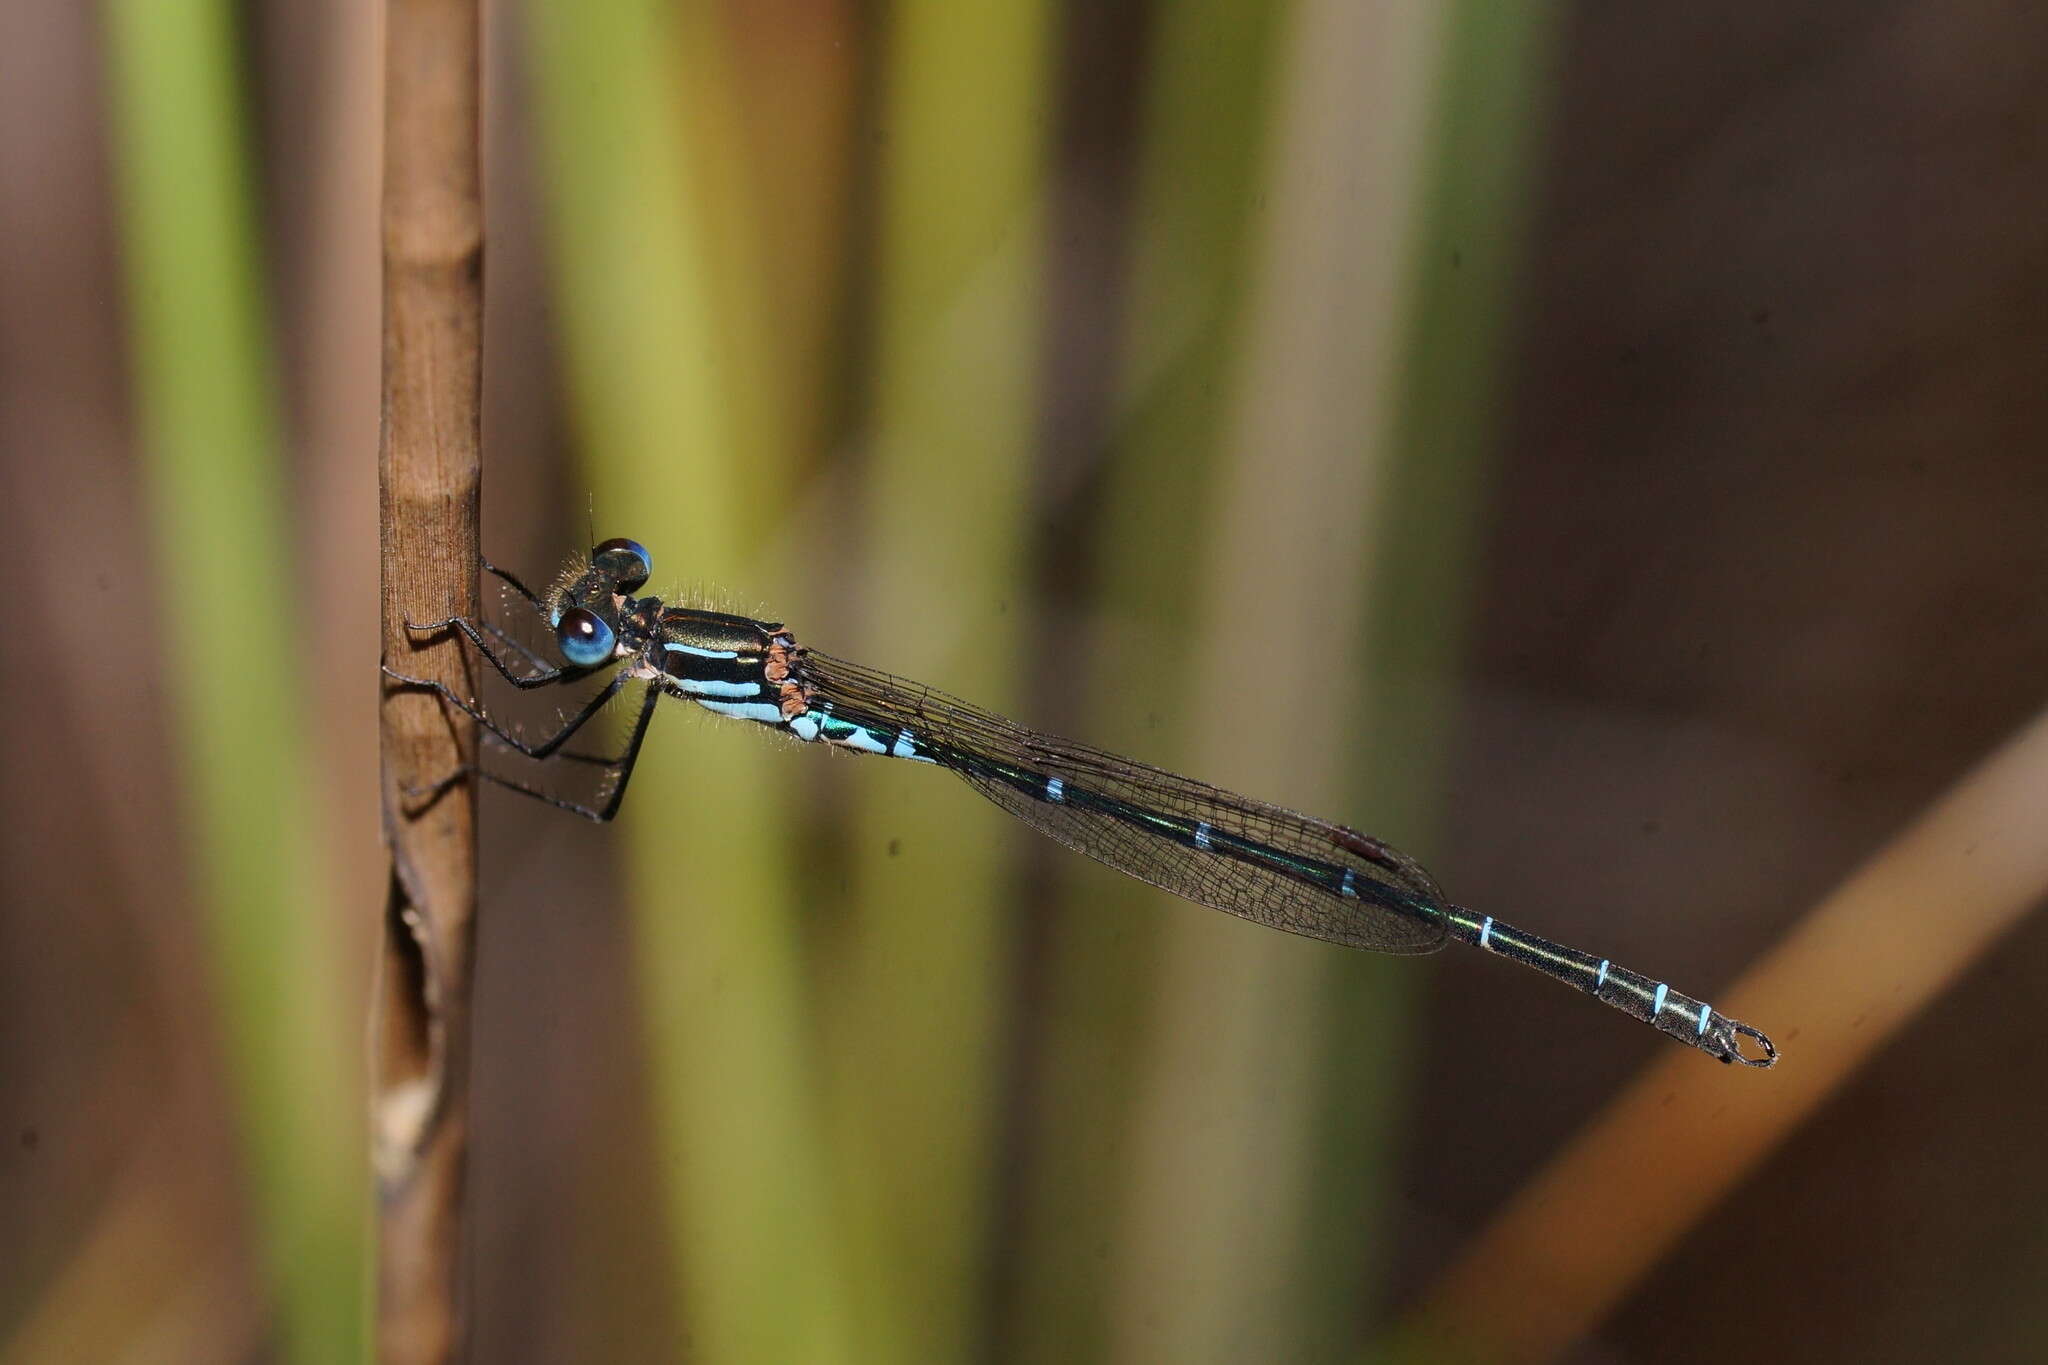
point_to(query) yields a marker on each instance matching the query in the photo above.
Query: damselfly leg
(611, 790)
(539, 673)
(527, 655)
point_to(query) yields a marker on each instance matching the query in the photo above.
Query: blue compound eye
(584, 637)
(625, 562)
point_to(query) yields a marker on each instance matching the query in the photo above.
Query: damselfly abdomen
(1270, 865)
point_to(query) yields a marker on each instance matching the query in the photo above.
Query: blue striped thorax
(732, 665)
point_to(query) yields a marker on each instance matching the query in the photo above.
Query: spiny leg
(532, 659)
(474, 712)
(526, 655)
(544, 672)
(621, 767)
(517, 586)
(548, 674)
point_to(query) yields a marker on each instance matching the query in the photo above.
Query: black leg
(549, 673)
(526, 595)
(622, 771)
(532, 660)
(517, 586)
(543, 673)
(476, 713)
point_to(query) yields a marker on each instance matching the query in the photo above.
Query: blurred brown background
(1701, 431)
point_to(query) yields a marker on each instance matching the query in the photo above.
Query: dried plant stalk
(429, 475)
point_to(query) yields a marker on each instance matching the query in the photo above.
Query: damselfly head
(588, 601)
(603, 583)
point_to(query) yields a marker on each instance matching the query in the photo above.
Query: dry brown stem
(428, 475)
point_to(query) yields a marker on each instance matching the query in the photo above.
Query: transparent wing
(1289, 880)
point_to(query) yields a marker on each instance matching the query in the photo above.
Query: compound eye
(585, 639)
(625, 562)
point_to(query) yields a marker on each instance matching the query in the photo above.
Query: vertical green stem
(1484, 112)
(916, 993)
(1209, 82)
(1215, 1262)
(210, 454)
(677, 420)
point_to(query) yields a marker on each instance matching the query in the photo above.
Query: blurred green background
(1596, 447)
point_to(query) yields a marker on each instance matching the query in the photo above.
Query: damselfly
(1269, 865)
